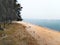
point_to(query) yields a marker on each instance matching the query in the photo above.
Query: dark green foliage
(18, 9)
(9, 11)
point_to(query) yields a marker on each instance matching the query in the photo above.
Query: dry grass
(43, 36)
(17, 35)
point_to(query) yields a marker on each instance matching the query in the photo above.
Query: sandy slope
(22, 33)
(16, 34)
(42, 35)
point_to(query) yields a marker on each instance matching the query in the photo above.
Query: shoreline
(27, 23)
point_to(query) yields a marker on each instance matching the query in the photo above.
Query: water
(52, 24)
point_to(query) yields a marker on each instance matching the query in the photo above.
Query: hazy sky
(40, 9)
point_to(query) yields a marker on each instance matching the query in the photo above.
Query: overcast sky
(40, 9)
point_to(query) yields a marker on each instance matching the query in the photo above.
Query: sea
(51, 24)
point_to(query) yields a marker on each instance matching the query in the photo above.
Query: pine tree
(9, 11)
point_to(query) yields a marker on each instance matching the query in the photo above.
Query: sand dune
(23, 33)
(16, 34)
(42, 35)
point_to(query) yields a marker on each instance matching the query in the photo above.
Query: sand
(24, 33)
(43, 36)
